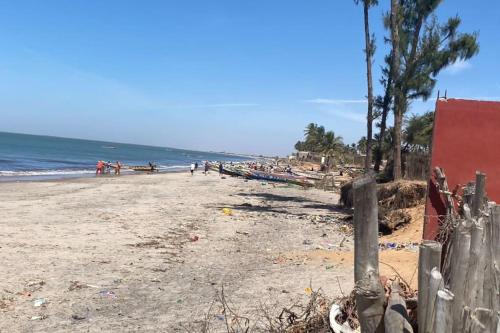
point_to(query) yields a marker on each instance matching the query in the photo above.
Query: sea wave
(9, 173)
(170, 167)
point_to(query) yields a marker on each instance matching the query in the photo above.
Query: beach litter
(6, 303)
(227, 211)
(194, 238)
(74, 285)
(39, 302)
(35, 283)
(307, 242)
(107, 294)
(412, 246)
(41, 317)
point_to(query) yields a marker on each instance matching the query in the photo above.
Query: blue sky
(241, 76)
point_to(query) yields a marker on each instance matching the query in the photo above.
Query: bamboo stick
(369, 290)
(443, 323)
(429, 257)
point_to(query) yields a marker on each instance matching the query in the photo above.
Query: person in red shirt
(99, 167)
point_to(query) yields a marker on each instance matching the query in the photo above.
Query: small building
(465, 139)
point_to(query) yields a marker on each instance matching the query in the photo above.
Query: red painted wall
(466, 139)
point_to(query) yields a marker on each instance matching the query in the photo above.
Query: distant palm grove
(420, 48)
(416, 138)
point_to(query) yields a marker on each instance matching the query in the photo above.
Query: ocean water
(25, 156)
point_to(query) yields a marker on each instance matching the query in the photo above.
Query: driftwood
(369, 291)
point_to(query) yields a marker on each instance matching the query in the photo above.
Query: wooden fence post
(479, 193)
(495, 236)
(369, 291)
(428, 258)
(435, 283)
(442, 322)
(475, 272)
(491, 285)
(460, 262)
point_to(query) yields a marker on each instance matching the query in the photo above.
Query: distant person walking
(192, 168)
(221, 168)
(206, 168)
(99, 167)
(118, 166)
(196, 166)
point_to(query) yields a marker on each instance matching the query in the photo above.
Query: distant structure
(465, 140)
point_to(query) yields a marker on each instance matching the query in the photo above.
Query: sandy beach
(149, 253)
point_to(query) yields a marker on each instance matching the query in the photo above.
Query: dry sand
(115, 254)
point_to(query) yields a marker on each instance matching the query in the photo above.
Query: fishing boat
(143, 168)
(278, 177)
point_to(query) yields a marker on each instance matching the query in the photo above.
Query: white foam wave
(170, 167)
(7, 173)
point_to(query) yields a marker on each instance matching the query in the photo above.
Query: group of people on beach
(194, 167)
(105, 167)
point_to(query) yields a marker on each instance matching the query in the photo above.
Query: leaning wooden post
(396, 317)
(369, 291)
(429, 257)
(443, 322)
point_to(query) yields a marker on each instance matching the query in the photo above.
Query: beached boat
(144, 168)
(279, 177)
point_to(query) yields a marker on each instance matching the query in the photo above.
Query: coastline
(75, 176)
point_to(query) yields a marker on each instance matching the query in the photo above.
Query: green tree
(362, 145)
(421, 48)
(369, 51)
(318, 140)
(418, 132)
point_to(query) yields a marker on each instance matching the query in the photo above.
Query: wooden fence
(416, 166)
(460, 296)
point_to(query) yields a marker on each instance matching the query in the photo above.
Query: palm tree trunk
(369, 116)
(398, 100)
